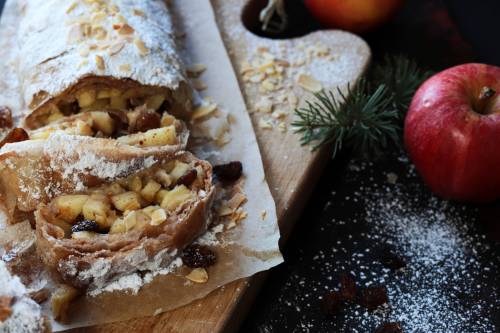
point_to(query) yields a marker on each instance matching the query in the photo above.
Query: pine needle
(367, 118)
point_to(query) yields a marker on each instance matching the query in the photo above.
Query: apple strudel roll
(98, 55)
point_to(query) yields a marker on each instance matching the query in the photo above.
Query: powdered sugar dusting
(450, 283)
(26, 315)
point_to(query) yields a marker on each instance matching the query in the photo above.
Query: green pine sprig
(368, 117)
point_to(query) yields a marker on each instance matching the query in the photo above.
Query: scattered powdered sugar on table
(450, 283)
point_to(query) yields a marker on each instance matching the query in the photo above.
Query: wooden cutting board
(333, 58)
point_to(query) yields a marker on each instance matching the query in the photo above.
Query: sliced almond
(309, 83)
(264, 105)
(138, 12)
(195, 70)
(265, 123)
(71, 7)
(203, 111)
(125, 68)
(100, 62)
(126, 30)
(198, 84)
(116, 48)
(143, 50)
(198, 275)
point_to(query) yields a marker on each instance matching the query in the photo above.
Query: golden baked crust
(95, 261)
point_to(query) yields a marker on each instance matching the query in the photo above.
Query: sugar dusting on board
(449, 284)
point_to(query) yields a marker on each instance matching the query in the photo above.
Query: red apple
(452, 132)
(353, 15)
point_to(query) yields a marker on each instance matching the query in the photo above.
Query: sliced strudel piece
(136, 223)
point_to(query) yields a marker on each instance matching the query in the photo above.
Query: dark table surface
(360, 211)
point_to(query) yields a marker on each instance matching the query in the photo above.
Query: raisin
(347, 287)
(15, 135)
(389, 328)
(198, 256)
(229, 172)
(147, 120)
(373, 297)
(188, 178)
(85, 225)
(392, 261)
(331, 303)
(5, 117)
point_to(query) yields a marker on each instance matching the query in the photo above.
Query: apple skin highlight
(452, 133)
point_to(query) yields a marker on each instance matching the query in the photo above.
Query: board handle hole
(299, 23)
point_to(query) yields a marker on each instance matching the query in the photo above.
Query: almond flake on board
(126, 30)
(264, 105)
(309, 83)
(204, 110)
(265, 123)
(5, 307)
(198, 84)
(195, 70)
(198, 275)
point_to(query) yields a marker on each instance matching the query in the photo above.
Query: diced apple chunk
(86, 98)
(176, 197)
(154, 137)
(60, 301)
(103, 122)
(114, 189)
(134, 184)
(179, 170)
(118, 227)
(84, 235)
(70, 206)
(158, 216)
(96, 210)
(167, 120)
(149, 191)
(160, 195)
(163, 178)
(118, 102)
(154, 102)
(126, 201)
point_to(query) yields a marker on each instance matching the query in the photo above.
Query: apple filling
(100, 97)
(139, 127)
(138, 202)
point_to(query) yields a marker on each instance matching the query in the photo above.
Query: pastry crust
(35, 171)
(119, 44)
(96, 261)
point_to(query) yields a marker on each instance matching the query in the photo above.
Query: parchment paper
(251, 246)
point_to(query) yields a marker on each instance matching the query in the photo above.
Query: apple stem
(484, 99)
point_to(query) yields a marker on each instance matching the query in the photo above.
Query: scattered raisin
(392, 261)
(229, 172)
(188, 178)
(85, 225)
(372, 297)
(15, 135)
(5, 117)
(331, 303)
(198, 256)
(347, 287)
(147, 120)
(389, 328)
